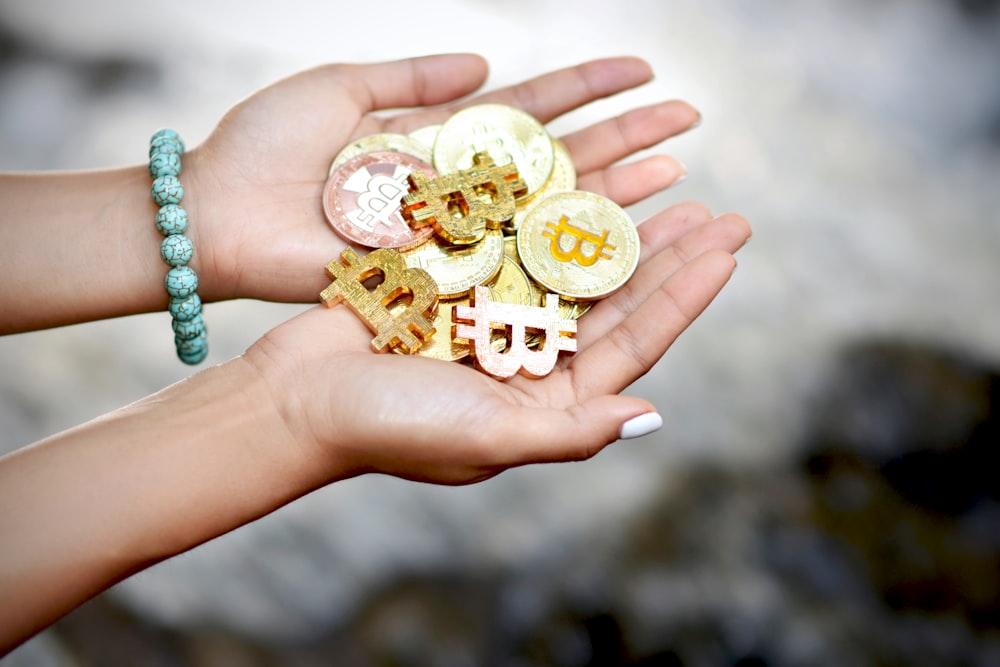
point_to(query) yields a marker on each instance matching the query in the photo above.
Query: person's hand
(354, 411)
(255, 185)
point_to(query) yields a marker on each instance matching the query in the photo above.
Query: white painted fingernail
(640, 426)
(683, 176)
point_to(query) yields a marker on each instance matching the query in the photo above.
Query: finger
(610, 140)
(412, 82)
(668, 226)
(550, 95)
(727, 232)
(629, 183)
(546, 435)
(631, 348)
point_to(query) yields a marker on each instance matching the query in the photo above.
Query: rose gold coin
(362, 200)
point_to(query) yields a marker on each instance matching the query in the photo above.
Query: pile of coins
(480, 246)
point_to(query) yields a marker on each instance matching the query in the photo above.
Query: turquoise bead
(164, 164)
(171, 219)
(193, 345)
(167, 132)
(183, 310)
(167, 190)
(165, 145)
(181, 282)
(189, 329)
(176, 250)
(194, 357)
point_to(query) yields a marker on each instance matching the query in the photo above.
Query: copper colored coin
(362, 200)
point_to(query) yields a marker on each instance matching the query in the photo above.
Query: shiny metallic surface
(381, 142)
(362, 199)
(579, 244)
(477, 322)
(457, 269)
(462, 205)
(510, 135)
(403, 330)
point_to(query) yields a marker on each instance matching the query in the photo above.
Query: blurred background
(825, 488)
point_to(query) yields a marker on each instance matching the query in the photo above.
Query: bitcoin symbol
(484, 314)
(484, 140)
(379, 202)
(405, 329)
(555, 232)
(462, 205)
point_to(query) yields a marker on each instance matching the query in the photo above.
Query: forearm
(90, 506)
(78, 246)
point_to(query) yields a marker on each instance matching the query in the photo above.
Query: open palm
(442, 422)
(256, 182)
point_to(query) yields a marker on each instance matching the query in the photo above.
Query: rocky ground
(824, 491)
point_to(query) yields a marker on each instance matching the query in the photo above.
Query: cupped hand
(424, 419)
(255, 185)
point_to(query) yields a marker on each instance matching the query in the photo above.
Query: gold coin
(510, 251)
(443, 345)
(386, 141)
(457, 269)
(563, 178)
(511, 285)
(426, 135)
(579, 308)
(579, 244)
(507, 134)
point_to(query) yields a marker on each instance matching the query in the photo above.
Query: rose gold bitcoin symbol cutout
(485, 315)
(460, 206)
(602, 248)
(408, 328)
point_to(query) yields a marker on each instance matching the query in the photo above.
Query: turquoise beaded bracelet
(190, 335)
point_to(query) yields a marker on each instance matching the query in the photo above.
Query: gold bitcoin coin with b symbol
(578, 244)
(404, 329)
(510, 135)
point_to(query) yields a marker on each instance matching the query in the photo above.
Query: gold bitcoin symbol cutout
(404, 330)
(462, 205)
(476, 323)
(602, 249)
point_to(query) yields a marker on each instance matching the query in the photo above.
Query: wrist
(201, 191)
(226, 458)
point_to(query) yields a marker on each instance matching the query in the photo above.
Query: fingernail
(640, 426)
(684, 174)
(697, 122)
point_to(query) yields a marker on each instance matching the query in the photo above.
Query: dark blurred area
(879, 546)
(832, 496)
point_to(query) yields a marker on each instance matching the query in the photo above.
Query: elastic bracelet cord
(190, 335)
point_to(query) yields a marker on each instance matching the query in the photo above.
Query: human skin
(90, 506)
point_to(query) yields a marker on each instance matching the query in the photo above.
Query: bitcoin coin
(426, 135)
(562, 179)
(385, 141)
(512, 285)
(579, 244)
(362, 200)
(507, 134)
(457, 269)
(443, 345)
